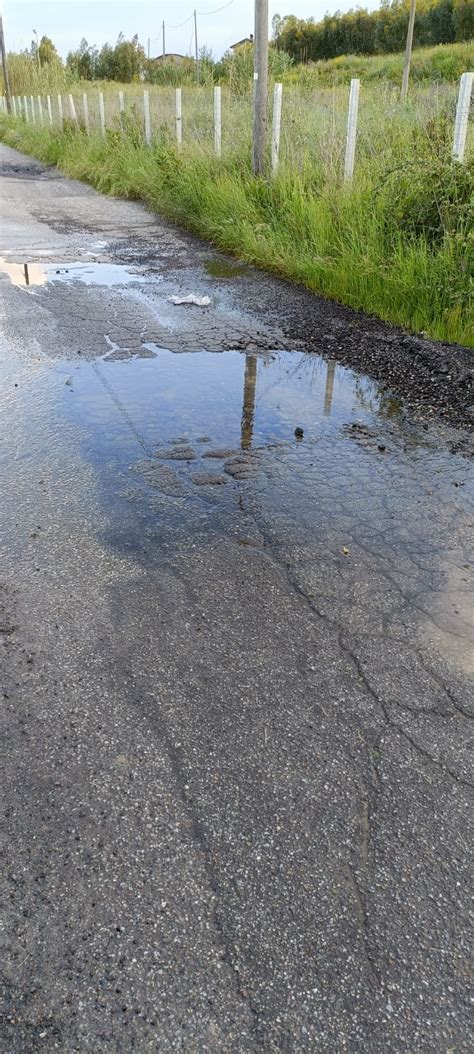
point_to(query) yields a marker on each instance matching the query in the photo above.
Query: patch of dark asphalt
(29, 171)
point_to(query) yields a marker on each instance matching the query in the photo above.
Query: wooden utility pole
(196, 46)
(409, 45)
(164, 47)
(260, 86)
(6, 79)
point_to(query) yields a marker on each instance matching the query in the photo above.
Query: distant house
(242, 43)
(171, 56)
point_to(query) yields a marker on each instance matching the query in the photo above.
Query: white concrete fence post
(25, 108)
(276, 126)
(179, 116)
(462, 116)
(102, 112)
(50, 109)
(85, 111)
(14, 105)
(146, 117)
(72, 109)
(60, 110)
(351, 131)
(40, 109)
(217, 121)
(32, 104)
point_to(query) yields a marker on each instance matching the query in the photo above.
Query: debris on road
(199, 301)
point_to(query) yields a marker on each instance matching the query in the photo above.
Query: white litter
(199, 301)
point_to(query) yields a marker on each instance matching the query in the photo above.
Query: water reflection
(328, 393)
(170, 427)
(248, 409)
(24, 274)
(90, 273)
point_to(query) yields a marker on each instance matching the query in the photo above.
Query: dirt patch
(160, 476)
(176, 453)
(203, 479)
(220, 453)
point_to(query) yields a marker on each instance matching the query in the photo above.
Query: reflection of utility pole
(6, 79)
(409, 45)
(248, 409)
(330, 371)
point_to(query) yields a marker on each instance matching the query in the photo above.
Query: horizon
(219, 24)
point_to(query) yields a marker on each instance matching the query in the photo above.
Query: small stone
(299, 432)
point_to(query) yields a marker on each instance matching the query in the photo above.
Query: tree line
(362, 32)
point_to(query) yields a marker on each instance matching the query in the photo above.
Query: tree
(83, 62)
(464, 19)
(277, 23)
(48, 55)
(125, 62)
(370, 32)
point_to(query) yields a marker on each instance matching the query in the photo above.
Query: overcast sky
(67, 21)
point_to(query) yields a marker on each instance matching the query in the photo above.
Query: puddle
(311, 458)
(224, 269)
(37, 273)
(300, 450)
(224, 402)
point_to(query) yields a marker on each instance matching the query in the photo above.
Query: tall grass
(445, 62)
(27, 77)
(441, 64)
(394, 244)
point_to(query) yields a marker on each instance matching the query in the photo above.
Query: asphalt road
(237, 688)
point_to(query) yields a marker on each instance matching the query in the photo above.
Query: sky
(67, 21)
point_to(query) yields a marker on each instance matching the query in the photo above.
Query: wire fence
(327, 130)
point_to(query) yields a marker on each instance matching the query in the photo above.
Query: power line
(181, 24)
(202, 14)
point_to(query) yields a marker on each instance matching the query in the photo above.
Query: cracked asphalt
(237, 664)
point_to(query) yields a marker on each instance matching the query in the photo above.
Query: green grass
(394, 244)
(443, 63)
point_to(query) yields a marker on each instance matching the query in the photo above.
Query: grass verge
(398, 250)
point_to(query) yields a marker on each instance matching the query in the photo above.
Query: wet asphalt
(237, 664)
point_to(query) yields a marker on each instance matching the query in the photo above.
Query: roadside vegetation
(397, 243)
(441, 64)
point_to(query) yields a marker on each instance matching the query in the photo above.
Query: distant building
(173, 57)
(242, 43)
